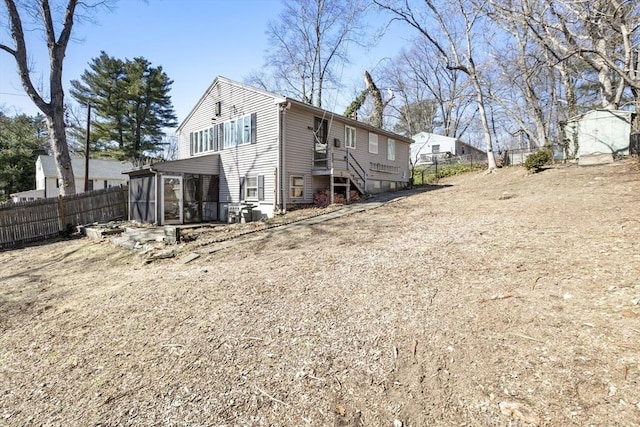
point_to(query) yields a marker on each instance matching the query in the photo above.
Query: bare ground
(499, 299)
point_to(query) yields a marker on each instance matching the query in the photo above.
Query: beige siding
(298, 140)
(299, 151)
(262, 158)
(256, 159)
(205, 165)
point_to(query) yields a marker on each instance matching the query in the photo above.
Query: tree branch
(20, 55)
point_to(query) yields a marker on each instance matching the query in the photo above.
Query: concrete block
(595, 159)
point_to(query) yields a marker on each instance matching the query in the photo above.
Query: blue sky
(193, 40)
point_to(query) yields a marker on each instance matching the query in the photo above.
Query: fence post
(61, 214)
(125, 202)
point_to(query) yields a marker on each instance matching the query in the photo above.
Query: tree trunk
(491, 159)
(635, 122)
(378, 105)
(54, 109)
(60, 149)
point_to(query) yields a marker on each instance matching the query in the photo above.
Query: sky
(193, 40)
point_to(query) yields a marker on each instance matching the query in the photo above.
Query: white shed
(599, 131)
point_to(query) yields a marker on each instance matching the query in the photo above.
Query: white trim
(373, 143)
(349, 130)
(292, 186)
(247, 187)
(391, 149)
(180, 200)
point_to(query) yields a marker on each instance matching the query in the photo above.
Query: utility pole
(86, 150)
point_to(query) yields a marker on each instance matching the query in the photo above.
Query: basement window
(296, 188)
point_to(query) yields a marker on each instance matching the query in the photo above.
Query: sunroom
(176, 192)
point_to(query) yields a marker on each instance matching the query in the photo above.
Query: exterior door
(320, 147)
(172, 200)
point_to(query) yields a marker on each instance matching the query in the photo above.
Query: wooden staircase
(350, 178)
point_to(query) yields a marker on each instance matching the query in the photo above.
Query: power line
(14, 94)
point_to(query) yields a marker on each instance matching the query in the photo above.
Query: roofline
(435, 134)
(279, 99)
(228, 81)
(353, 122)
(612, 111)
(455, 139)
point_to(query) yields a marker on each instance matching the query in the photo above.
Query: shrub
(538, 159)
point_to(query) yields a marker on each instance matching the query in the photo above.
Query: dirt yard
(500, 299)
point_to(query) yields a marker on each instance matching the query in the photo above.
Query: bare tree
(528, 77)
(308, 42)
(52, 103)
(451, 26)
(171, 147)
(420, 81)
(605, 34)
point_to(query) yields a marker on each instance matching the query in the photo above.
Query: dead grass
(501, 299)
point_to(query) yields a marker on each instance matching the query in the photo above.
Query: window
(239, 131)
(203, 140)
(435, 149)
(229, 134)
(349, 137)
(296, 189)
(391, 149)
(373, 143)
(251, 188)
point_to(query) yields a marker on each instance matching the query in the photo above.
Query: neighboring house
(243, 145)
(429, 147)
(599, 131)
(102, 174)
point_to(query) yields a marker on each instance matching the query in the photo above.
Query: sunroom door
(172, 200)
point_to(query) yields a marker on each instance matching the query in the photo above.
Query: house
(243, 148)
(102, 174)
(429, 147)
(598, 131)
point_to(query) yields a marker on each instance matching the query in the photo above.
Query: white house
(427, 147)
(241, 145)
(102, 174)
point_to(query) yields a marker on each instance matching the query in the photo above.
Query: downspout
(278, 171)
(283, 153)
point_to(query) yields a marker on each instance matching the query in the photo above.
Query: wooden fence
(44, 218)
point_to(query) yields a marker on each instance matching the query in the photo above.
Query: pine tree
(132, 106)
(22, 139)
